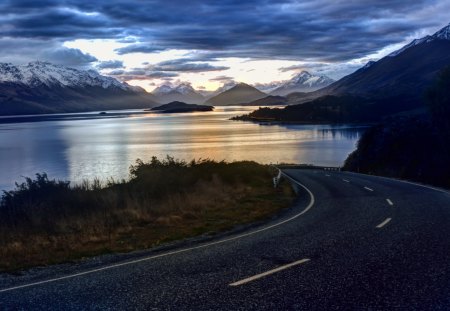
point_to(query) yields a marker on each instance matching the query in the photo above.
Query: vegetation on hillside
(334, 109)
(177, 107)
(438, 98)
(46, 221)
(415, 148)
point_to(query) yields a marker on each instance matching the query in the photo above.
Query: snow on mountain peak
(39, 73)
(442, 34)
(182, 88)
(304, 73)
(302, 76)
(303, 82)
(411, 44)
(307, 79)
(369, 64)
(162, 89)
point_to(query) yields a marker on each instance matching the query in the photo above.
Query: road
(350, 242)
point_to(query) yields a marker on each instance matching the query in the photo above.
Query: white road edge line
(390, 202)
(402, 181)
(369, 189)
(310, 205)
(261, 275)
(385, 222)
(345, 180)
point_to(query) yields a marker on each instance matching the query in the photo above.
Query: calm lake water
(83, 146)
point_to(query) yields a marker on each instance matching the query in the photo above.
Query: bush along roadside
(45, 221)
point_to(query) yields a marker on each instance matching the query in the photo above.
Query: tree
(438, 98)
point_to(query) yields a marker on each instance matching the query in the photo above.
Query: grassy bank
(45, 221)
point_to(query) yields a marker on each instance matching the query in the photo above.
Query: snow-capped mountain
(183, 92)
(411, 44)
(42, 87)
(182, 88)
(36, 74)
(405, 73)
(162, 89)
(269, 87)
(368, 64)
(303, 82)
(443, 34)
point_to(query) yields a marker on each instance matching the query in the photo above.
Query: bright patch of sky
(241, 69)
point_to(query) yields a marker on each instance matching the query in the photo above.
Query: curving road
(351, 242)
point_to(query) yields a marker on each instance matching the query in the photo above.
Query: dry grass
(45, 221)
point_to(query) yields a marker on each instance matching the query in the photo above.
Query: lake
(84, 146)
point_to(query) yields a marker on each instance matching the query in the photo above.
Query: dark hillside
(415, 148)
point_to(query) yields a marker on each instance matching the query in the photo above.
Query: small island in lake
(177, 106)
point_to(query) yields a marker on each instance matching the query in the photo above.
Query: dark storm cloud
(69, 57)
(184, 65)
(140, 74)
(63, 23)
(117, 72)
(221, 79)
(140, 48)
(160, 74)
(166, 69)
(313, 30)
(25, 50)
(110, 64)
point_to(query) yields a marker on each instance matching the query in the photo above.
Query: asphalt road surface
(350, 242)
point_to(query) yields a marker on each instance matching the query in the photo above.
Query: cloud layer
(321, 30)
(321, 35)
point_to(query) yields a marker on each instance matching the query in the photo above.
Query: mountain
(406, 72)
(325, 109)
(208, 94)
(240, 93)
(269, 101)
(273, 100)
(269, 87)
(303, 82)
(182, 92)
(42, 87)
(391, 87)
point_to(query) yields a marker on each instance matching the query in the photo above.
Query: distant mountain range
(302, 82)
(394, 84)
(238, 94)
(182, 92)
(41, 87)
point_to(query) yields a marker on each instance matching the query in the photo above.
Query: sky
(212, 43)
